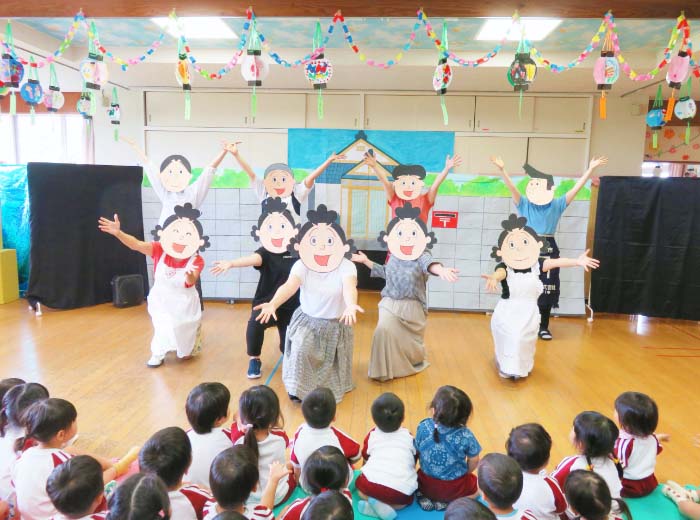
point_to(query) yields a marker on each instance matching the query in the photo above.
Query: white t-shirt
(543, 496)
(251, 513)
(29, 476)
(308, 439)
(321, 294)
(188, 502)
(604, 466)
(637, 455)
(195, 193)
(300, 191)
(390, 460)
(8, 456)
(205, 448)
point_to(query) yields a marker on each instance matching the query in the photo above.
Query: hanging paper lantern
(32, 93)
(85, 106)
(94, 72)
(254, 70)
(442, 77)
(606, 72)
(686, 109)
(114, 113)
(11, 71)
(522, 71)
(678, 70)
(183, 76)
(319, 72)
(655, 117)
(53, 98)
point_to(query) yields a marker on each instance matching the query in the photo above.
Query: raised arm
(449, 274)
(232, 148)
(286, 291)
(309, 181)
(595, 162)
(583, 260)
(492, 280)
(381, 173)
(506, 178)
(151, 173)
(349, 317)
(221, 266)
(139, 152)
(113, 227)
(450, 162)
(203, 183)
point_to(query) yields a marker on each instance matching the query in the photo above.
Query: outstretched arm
(380, 172)
(583, 260)
(139, 152)
(113, 227)
(286, 291)
(506, 178)
(232, 148)
(349, 317)
(151, 173)
(309, 181)
(492, 280)
(450, 162)
(203, 183)
(595, 162)
(449, 274)
(221, 266)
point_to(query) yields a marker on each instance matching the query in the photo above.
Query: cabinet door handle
(245, 119)
(355, 122)
(367, 122)
(584, 126)
(470, 124)
(478, 123)
(253, 122)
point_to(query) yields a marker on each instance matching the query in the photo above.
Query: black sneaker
(254, 368)
(545, 335)
(294, 398)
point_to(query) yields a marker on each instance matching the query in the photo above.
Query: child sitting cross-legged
(501, 482)
(76, 489)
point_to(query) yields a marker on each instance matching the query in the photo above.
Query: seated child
(207, 410)
(468, 509)
(168, 454)
(234, 476)
(501, 482)
(530, 445)
(389, 475)
(259, 427)
(589, 498)
(7, 384)
(229, 515)
(637, 446)
(318, 409)
(76, 489)
(142, 496)
(329, 505)
(448, 451)
(325, 469)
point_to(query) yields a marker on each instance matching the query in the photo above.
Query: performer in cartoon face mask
(319, 343)
(398, 348)
(275, 229)
(516, 319)
(173, 302)
(543, 211)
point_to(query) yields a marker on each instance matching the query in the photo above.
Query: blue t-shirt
(543, 219)
(445, 460)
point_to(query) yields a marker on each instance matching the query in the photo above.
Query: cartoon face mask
(175, 176)
(279, 183)
(180, 239)
(321, 249)
(408, 187)
(406, 240)
(538, 193)
(520, 250)
(275, 232)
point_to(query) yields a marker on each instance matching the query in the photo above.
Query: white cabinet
(418, 112)
(279, 111)
(500, 114)
(340, 111)
(557, 115)
(564, 157)
(476, 152)
(209, 109)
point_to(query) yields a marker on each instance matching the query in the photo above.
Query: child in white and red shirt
(318, 408)
(168, 454)
(207, 410)
(637, 446)
(76, 489)
(234, 476)
(530, 446)
(143, 496)
(500, 481)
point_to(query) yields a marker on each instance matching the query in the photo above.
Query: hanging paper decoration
(85, 105)
(254, 68)
(442, 77)
(686, 108)
(53, 98)
(522, 71)
(11, 70)
(678, 70)
(114, 113)
(31, 91)
(182, 75)
(606, 72)
(319, 71)
(93, 69)
(655, 117)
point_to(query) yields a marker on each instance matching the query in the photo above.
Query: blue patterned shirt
(445, 460)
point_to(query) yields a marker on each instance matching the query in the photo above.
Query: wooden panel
(561, 115)
(360, 8)
(69, 105)
(501, 114)
(341, 111)
(460, 110)
(209, 109)
(387, 112)
(565, 157)
(477, 152)
(280, 111)
(419, 112)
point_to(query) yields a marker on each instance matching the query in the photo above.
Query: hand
(232, 148)
(663, 437)
(336, 156)
(597, 161)
(491, 283)
(452, 162)
(360, 258)
(449, 274)
(349, 317)
(370, 160)
(498, 162)
(110, 226)
(587, 262)
(267, 310)
(278, 471)
(127, 140)
(220, 267)
(192, 270)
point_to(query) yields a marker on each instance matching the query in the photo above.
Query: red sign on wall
(445, 219)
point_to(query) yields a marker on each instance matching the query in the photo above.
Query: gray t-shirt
(405, 279)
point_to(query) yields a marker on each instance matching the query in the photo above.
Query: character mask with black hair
(276, 226)
(540, 188)
(409, 180)
(407, 236)
(175, 173)
(519, 246)
(181, 235)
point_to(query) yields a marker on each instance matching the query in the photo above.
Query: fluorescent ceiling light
(536, 29)
(201, 27)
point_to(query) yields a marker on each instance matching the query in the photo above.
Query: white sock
(384, 511)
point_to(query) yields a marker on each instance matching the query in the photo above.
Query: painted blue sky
(310, 147)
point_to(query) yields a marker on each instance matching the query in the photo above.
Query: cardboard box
(9, 282)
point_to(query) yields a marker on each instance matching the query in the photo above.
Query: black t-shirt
(274, 272)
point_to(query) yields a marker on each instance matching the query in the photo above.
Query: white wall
(106, 150)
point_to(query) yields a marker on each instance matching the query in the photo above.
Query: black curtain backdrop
(73, 262)
(647, 238)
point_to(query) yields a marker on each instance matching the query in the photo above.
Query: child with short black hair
(501, 482)
(637, 446)
(142, 496)
(325, 469)
(329, 505)
(589, 498)
(233, 477)
(76, 489)
(168, 454)
(8, 383)
(530, 445)
(207, 410)
(388, 477)
(468, 509)
(448, 451)
(318, 408)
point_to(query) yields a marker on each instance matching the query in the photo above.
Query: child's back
(29, 476)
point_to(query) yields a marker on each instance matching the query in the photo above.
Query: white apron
(516, 322)
(175, 311)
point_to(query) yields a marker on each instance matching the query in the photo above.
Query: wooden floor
(95, 358)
